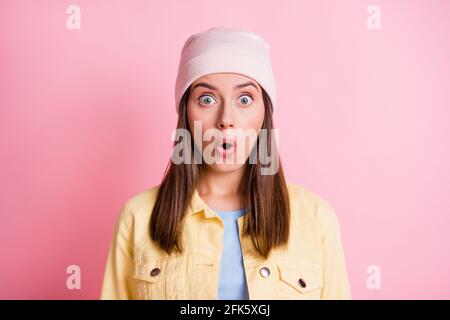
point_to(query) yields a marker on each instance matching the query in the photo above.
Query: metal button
(155, 272)
(265, 272)
(302, 283)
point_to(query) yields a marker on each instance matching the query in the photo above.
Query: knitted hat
(225, 50)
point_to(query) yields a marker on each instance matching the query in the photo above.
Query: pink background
(86, 117)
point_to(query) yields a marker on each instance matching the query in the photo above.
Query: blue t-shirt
(232, 284)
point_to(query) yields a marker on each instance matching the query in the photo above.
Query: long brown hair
(265, 197)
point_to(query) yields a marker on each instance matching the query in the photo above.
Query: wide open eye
(246, 99)
(207, 99)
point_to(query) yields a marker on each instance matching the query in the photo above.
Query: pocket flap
(152, 266)
(303, 277)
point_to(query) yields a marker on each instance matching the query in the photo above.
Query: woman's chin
(225, 167)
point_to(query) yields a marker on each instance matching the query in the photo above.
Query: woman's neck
(220, 183)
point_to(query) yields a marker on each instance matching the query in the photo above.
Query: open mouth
(226, 148)
(227, 145)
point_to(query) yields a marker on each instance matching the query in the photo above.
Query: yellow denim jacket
(311, 267)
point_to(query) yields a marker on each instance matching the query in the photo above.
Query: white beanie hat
(225, 50)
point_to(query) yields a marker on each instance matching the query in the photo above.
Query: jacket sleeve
(336, 284)
(118, 283)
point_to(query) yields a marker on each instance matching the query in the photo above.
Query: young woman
(221, 229)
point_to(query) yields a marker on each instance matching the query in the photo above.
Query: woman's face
(230, 104)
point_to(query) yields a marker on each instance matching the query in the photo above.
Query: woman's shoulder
(306, 195)
(140, 204)
(144, 197)
(315, 207)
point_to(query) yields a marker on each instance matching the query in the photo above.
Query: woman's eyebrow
(246, 84)
(204, 84)
(207, 85)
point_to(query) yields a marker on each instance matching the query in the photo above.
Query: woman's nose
(226, 118)
(225, 124)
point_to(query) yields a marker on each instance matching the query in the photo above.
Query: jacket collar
(198, 205)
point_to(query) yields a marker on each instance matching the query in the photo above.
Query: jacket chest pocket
(157, 276)
(302, 280)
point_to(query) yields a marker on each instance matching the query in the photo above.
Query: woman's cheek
(255, 122)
